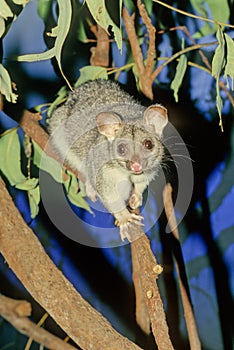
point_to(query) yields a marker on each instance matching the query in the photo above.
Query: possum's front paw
(135, 201)
(126, 221)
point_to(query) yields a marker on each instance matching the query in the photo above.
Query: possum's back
(97, 92)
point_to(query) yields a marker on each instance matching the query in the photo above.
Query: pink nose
(136, 167)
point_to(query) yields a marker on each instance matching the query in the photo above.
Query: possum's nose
(135, 165)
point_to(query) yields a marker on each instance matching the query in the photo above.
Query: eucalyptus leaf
(5, 10)
(78, 200)
(217, 10)
(21, 2)
(61, 97)
(34, 200)
(6, 86)
(75, 197)
(46, 163)
(34, 57)
(130, 5)
(2, 26)
(28, 184)
(64, 22)
(10, 159)
(180, 72)
(91, 73)
(81, 33)
(218, 63)
(229, 68)
(44, 8)
(102, 17)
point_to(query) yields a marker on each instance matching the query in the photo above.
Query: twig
(16, 313)
(192, 15)
(188, 312)
(48, 286)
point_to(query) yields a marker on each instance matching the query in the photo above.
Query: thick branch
(145, 80)
(16, 312)
(27, 258)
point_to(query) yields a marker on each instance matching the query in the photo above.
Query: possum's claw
(126, 221)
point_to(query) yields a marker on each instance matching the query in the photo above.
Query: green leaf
(219, 11)
(2, 27)
(81, 33)
(10, 159)
(46, 163)
(102, 17)
(218, 62)
(64, 22)
(34, 200)
(180, 72)
(5, 85)
(44, 8)
(61, 97)
(28, 184)
(5, 10)
(229, 68)
(91, 73)
(130, 5)
(73, 195)
(21, 2)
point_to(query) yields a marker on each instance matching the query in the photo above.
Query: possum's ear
(156, 115)
(108, 124)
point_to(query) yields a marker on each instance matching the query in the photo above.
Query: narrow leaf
(44, 8)
(64, 22)
(34, 57)
(61, 97)
(102, 17)
(218, 63)
(180, 72)
(75, 197)
(229, 68)
(10, 158)
(91, 73)
(2, 26)
(6, 86)
(5, 10)
(28, 184)
(218, 60)
(46, 163)
(34, 200)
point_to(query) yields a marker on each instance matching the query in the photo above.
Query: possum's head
(137, 146)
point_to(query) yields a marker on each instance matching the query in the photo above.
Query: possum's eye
(122, 149)
(148, 144)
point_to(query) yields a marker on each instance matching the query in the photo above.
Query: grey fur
(98, 122)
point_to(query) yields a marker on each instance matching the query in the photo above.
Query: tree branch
(16, 312)
(100, 53)
(47, 285)
(144, 74)
(148, 300)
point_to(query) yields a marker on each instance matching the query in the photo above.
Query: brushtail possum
(113, 142)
